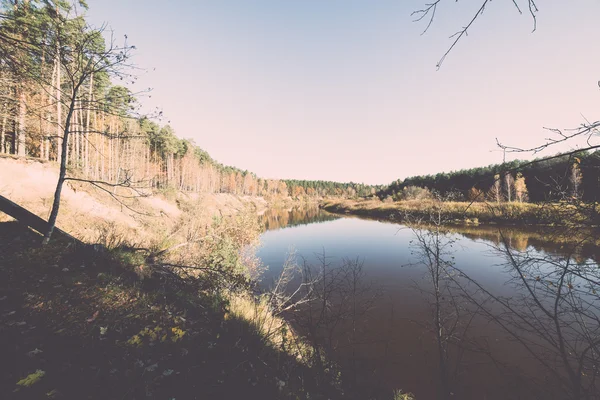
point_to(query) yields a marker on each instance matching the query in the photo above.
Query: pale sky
(348, 90)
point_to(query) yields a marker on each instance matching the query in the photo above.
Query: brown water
(458, 313)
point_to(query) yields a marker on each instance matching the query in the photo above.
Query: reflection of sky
(377, 243)
(390, 260)
(404, 314)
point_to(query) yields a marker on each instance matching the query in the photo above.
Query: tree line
(57, 95)
(299, 188)
(552, 179)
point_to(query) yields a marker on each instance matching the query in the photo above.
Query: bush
(224, 245)
(476, 195)
(414, 193)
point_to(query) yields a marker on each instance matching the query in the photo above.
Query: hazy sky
(348, 90)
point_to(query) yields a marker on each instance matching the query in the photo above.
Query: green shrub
(32, 379)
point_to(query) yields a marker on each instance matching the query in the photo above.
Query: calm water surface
(471, 324)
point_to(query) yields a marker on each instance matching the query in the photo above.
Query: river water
(458, 312)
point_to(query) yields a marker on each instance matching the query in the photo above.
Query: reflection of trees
(449, 322)
(277, 218)
(335, 321)
(581, 244)
(330, 307)
(553, 314)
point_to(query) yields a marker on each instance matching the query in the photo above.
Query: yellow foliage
(156, 334)
(400, 395)
(32, 379)
(273, 329)
(135, 340)
(177, 334)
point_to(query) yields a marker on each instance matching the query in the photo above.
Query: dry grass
(87, 212)
(275, 331)
(459, 212)
(88, 327)
(211, 233)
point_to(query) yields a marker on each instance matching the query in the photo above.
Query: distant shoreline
(458, 213)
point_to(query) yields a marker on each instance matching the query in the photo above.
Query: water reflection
(581, 245)
(550, 321)
(468, 313)
(277, 218)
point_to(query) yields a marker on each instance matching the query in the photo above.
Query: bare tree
(555, 317)
(428, 14)
(575, 179)
(495, 193)
(520, 188)
(81, 55)
(509, 186)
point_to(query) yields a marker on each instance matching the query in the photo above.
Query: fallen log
(28, 218)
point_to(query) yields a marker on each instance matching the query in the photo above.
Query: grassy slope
(82, 327)
(78, 327)
(31, 184)
(455, 212)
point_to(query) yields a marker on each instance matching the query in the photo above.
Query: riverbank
(461, 213)
(112, 325)
(166, 308)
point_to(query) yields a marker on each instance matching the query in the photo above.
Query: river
(460, 312)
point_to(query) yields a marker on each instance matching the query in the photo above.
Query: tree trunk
(43, 104)
(98, 148)
(103, 156)
(86, 162)
(59, 145)
(148, 167)
(76, 136)
(20, 134)
(3, 129)
(63, 169)
(132, 154)
(117, 164)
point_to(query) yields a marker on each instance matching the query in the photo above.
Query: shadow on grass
(75, 326)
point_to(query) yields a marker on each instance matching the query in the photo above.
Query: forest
(57, 76)
(172, 275)
(554, 178)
